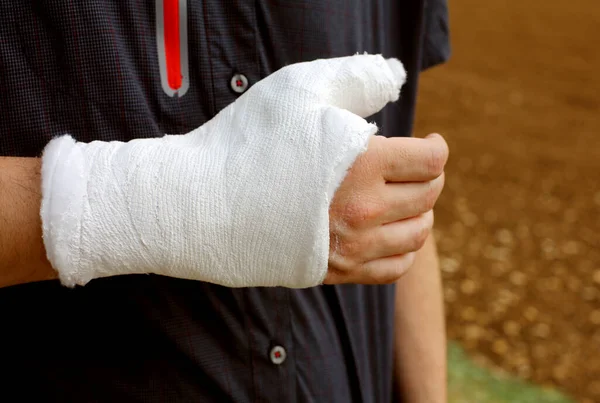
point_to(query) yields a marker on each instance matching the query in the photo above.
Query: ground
(470, 383)
(518, 224)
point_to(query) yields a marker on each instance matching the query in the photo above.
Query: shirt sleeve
(436, 43)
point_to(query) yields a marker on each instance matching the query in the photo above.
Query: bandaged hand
(241, 201)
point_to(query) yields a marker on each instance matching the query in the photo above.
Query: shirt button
(278, 355)
(239, 83)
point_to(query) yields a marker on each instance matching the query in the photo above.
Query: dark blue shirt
(125, 69)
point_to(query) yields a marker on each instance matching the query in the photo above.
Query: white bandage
(241, 201)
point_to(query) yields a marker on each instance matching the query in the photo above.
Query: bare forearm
(420, 331)
(22, 254)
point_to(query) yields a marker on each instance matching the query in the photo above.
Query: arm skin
(420, 331)
(20, 223)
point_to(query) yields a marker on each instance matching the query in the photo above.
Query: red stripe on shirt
(172, 43)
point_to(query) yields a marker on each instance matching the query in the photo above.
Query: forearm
(22, 253)
(420, 331)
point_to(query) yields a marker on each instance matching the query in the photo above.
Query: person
(132, 72)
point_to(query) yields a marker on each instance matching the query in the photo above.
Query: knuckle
(352, 250)
(418, 235)
(421, 237)
(353, 213)
(430, 196)
(358, 214)
(436, 160)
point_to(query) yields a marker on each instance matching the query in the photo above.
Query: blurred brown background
(518, 224)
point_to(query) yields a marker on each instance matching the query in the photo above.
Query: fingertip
(365, 83)
(443, 149)
(398, 70)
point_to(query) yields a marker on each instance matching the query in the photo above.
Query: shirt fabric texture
(91, 69)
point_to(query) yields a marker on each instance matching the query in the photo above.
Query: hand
(382, 212)
(241, 201)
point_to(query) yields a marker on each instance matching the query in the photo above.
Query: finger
(400, 237)
(409, 159)
(386, 270)
(406, 200)
(361, 84)
(379, 271)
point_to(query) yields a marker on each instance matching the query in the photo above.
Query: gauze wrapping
(241, 201)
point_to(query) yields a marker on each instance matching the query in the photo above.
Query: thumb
(363, 84)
